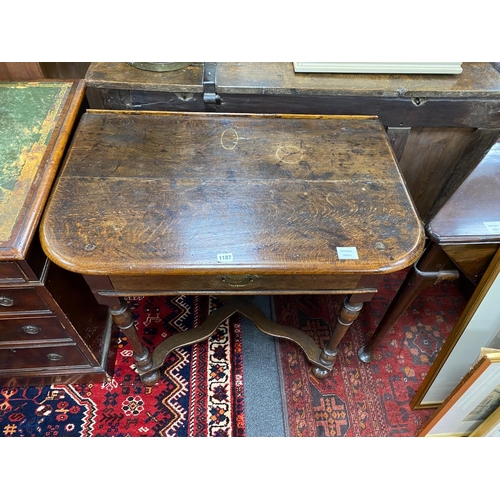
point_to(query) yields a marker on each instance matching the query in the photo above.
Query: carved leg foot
(365, 355)
(327, 359)
(145, 363)
(122, 316)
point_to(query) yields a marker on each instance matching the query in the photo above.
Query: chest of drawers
(48, 334)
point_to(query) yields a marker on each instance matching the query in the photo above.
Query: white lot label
(347, 253)
(493, 227)
(224, 257)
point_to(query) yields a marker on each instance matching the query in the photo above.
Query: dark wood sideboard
(51, 329)
(439, 126)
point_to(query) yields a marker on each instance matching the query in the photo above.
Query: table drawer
(31, 330)
(231, 283)
(41, 357)
(11, 272)
(16, 300)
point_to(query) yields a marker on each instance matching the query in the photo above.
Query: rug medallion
(360, 399)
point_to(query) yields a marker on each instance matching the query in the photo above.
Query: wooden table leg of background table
(103, 291)
(122, 316)
(348, 313)
(434, 267)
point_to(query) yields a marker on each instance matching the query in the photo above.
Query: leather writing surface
(29, 113)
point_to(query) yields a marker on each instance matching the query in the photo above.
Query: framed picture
(490, 427)
(477, 327)
(419, 68)
(472, 403)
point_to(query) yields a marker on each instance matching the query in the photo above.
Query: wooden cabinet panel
(225, 284)
(20, 71)
(17, 331)
(16, 300)
(429, 156)
(472, 259)
(10, 272)
(23, 71)
(25, 358)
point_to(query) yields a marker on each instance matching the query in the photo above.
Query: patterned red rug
(199, 394)
(360, 399)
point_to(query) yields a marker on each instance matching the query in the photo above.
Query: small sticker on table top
(493, 227)
(347, 253)
(224, 257)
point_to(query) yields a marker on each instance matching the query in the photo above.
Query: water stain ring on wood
(289, 154)
(229, 138)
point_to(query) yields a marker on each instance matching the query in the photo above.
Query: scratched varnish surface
(168, 193)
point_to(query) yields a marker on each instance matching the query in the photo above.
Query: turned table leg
(348, 313)
(122, 316)
(433, 270)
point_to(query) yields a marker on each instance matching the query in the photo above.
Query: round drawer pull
(31, 329)
(6, 301)
(228, 280)
(54, 357)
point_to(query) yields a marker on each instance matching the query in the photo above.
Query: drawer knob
(6, 301)
(54, 356)
(238, 283)
(31, 329)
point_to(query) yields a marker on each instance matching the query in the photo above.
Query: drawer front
(11, 272)
(31, 330)
(235, 283)
(41, 357)
(16, 300)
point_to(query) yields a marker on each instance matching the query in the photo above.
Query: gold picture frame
(398, 68)
(477, 327)
(490, 427)
(473, 402)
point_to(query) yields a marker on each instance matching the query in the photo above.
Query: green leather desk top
(30, 117)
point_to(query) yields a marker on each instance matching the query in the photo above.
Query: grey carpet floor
(263, 400)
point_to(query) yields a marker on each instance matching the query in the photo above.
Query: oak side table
(231, 205)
